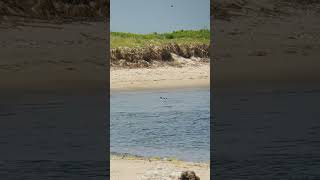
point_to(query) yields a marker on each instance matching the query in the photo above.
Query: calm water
(53, 137)
(171, 123)
(266, 135)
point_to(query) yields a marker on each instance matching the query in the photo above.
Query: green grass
(122, 39)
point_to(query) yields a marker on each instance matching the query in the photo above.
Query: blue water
(269, 134)
(171, 123)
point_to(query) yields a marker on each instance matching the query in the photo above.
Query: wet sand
(136, 169)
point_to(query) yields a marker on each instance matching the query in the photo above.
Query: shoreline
(159, 78)
(132, 167)
(141, 157)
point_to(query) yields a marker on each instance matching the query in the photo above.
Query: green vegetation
(122, 39)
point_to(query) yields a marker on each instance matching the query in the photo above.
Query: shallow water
(171, 123)
(267, 135)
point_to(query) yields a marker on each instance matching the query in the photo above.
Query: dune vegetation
(144, 50)
(181, 37)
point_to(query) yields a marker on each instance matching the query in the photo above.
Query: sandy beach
(139, 169)
(161, 77)
(167, 77)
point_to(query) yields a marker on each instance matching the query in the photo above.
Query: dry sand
(160, 78)
(139, 169)
(166, 77)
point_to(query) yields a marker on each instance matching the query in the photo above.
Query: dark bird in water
(163, 98)
(171, 5)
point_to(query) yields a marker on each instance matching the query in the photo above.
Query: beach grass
(123, 39)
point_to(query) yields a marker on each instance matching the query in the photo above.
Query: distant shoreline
(116, 155)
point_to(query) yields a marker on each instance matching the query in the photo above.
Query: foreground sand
(161, 77)
(136, 169)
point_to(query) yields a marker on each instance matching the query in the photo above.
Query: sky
(147, 16)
